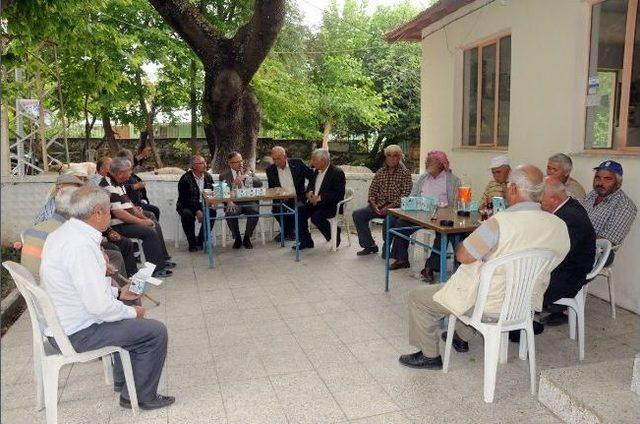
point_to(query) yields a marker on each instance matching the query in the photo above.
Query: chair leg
(447, 347)
(491, 356)
(334, 233)
(572, 322)
(532, 358)
(128, 376)
(107, 364)
(504, 347)
(39, 377)
(347, 226)
(580, 322)
(176, 238)
(522, 353)
(51, 392)
(261, 225)
(612, 296)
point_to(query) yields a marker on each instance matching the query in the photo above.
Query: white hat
(499, 161)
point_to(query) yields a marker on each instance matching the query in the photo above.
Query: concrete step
(591, 393)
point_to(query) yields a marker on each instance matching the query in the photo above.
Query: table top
(275, 193)
(461, 224)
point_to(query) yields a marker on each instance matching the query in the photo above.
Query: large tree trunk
(149, 116)
(231, 111)
(109, 134)
(151, 140)
(326, 133)
(196, 145)
(234, 117)
(88, 126)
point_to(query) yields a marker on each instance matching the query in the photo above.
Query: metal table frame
(284, 210)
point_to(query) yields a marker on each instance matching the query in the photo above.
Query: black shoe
(368, 250)
(117, 387)
(238, 243)
(399, 265)
(427, 275)
(338, 237)
(247, 243)
(514, 335)
(193, 248)
(418, 360)
(169, 265)
(555, 319)
(162, 273)
(160, 401)
(458, 344)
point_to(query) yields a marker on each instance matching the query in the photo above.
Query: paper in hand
(144, 275)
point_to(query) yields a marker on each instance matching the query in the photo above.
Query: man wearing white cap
(500, 170)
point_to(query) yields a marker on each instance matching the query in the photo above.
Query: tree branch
(253, 40)
(192, 26)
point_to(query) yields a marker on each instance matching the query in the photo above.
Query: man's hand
(309, 195)
(138, 186)
(313, 198)
(239, 179)
(199, 216)
(111, 270)
(139, 312)
(149, 223)
(232, 207)
(113, 235)
(126, 294)
(383, 211)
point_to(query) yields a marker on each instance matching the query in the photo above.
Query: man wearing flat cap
(497, 187)
(610, 210)
(49, 208)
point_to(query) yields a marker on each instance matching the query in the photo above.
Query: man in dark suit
(136, 190)
(326, 188)
(237, 177)
(290, 174)
(189, 204)
(571, 274)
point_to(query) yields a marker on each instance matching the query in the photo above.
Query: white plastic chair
(576, 304)
(348, 197)
(140, 252)
(607, 272)
(521, 271)
(47, 365)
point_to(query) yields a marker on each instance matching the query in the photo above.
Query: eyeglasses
(236, 161)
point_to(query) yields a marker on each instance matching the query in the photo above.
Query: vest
(519, 230)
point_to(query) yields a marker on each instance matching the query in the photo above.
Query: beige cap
(499, 161)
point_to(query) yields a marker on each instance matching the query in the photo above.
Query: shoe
(418, 360)
(238, 243)
(338, 237)
(117, 387)
(247, 243)
(303, 246)
(399, 265)
(514, 335)
(160, 401)
(193, 248)
(162, 273)
(169, 265)
(555, 319)
(368, 250)
(458, 344)
(427, 274)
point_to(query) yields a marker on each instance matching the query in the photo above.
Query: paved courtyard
(263, 339)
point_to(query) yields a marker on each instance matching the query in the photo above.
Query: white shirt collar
(562, 204)
(86, 229)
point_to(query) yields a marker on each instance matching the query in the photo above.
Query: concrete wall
(22, 199)
(549, 55)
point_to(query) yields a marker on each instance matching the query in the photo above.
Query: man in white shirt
(72, 272)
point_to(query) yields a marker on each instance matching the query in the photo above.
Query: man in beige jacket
(522, 226)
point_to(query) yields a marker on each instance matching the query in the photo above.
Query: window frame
(480, 45)
(619, 144)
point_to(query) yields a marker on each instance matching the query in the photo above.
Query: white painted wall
(22, 199)
(549, 55)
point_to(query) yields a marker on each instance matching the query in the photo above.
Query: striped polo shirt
(118, 197)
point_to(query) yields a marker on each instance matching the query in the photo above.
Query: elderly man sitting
(522, 226)
(610, 210)
(498, 186)
(560, 166)
(64, 180)
(389, 185)
(88, 307)
(440, 183)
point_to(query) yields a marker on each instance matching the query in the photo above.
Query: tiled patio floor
(262, 339)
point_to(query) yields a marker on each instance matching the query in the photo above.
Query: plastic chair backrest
(603, 250)
(348, 196)
(41, 310)
(522, 270)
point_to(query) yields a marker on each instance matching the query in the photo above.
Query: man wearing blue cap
(609, 208)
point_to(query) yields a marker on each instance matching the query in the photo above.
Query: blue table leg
(295, 219)
(207, 235)
(386, 253)
(444, 244)
(281, 225)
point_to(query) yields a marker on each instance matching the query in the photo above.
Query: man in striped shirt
(610, 210)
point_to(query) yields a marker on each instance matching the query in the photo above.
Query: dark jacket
(571, 274)
(189, 193)
(299, 172)
(332, 189)
(136, 196)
